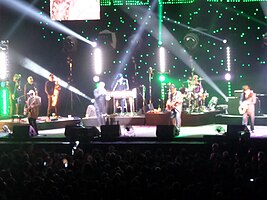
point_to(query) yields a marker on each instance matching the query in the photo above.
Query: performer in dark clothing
(174, 105)
(52, 91)
(16, 95)
(121, 84)
(100, 102)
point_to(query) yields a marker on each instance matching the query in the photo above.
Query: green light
(162, 78)
(4, 101)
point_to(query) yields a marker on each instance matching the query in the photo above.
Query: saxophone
(55, 94)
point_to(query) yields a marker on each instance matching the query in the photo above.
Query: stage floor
(196, 126)
(150, 131)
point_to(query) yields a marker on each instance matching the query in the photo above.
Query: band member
(32, 106)
(100, 102)
(174, 105)
(52, 89)
(121, 84)
(30, 85)
(198, 92)
(16, 94)
(247, 106)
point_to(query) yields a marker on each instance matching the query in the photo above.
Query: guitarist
(174, 105)
(31, 109)
(247, 106)
(52, 91)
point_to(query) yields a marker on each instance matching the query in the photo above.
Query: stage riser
(92, 121)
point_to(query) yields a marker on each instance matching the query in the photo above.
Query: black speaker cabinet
(166, 131)
(23, 131)
(81, 133)
(237, 131)
(110, 131)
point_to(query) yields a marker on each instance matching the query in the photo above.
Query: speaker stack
(81, 133)
(23, 131)
(110, 131)
(166, 132)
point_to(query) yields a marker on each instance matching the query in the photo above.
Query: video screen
(63, 10)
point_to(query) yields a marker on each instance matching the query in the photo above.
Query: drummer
(196, 88)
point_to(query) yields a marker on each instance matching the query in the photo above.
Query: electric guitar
(243, 107)
(170, 105)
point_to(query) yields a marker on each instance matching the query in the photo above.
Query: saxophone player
(52, 91)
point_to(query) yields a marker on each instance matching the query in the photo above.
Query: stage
(196, 127)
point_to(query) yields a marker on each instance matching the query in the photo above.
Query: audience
(134, 172)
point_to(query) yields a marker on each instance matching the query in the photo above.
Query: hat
(31, 92)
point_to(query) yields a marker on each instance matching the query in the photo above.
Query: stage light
(4, 101)
(227, 76)
(96, 79)
(162, 78)
(224, 41)
(6, 129)
(3, 65)
(98, 61)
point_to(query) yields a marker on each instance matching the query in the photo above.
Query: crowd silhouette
(134, 172)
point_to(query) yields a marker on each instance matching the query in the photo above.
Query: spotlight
(227, 76)
(220, 129)
(224, 41)
(6, 129)
(96, 79)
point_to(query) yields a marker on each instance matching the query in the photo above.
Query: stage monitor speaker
(237, 131)
(23, 131)
(81, 133)
(166, 131)
(110, 131)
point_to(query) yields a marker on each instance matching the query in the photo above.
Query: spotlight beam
(37, 69)
(196, 30)
(38, 16)
(18, 22)
(137, 36)
(177, 49)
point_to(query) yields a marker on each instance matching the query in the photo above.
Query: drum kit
(195, 96)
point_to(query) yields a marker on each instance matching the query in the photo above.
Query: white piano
(129, 95)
